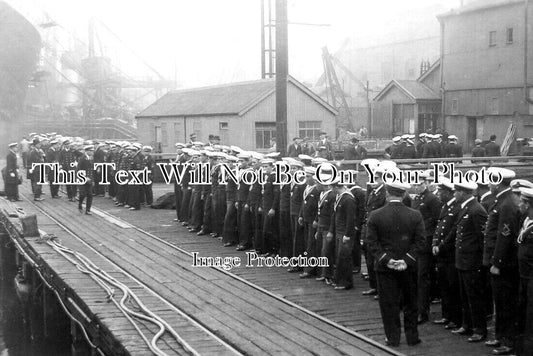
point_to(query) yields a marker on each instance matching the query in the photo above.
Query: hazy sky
(218, 41)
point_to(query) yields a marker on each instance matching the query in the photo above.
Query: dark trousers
(298, 241)
(134, 196)
(54, 188)
(230, 231)
(245, 226)
(285, 234)
(471, 283)
(505, 289)
(487, 288)
(356, 252)
(425, 264)
(12, 191)
(36, 188)
(99, 189)
(311, 247)
(525, 313)
(113, 186)
(71, 190)
(449, 290)
(397, 291)
(197, 209)
(257, 228)
(86, 191)
(207, 225)
(218, 208)
(122, 193)
(343, 257)
(327, 250)
(369, 258)
(147, 194)
(185, 212)
(178, 195)
(270, 233)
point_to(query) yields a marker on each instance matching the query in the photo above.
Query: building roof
(479, 5)
(226, 99)
(412, 88)
(434, 67)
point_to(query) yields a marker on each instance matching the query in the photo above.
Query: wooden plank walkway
(250, 320)
(348, 308)
(109, 324)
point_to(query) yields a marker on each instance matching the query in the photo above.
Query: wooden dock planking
(92, 298)
(351, 309)
(137, 253)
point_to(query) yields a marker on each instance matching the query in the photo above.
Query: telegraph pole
(282, 69)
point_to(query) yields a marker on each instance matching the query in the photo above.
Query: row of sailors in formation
(474, 242)
(427, 146)
(75, 154)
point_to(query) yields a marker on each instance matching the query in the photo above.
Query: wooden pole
(282, 69)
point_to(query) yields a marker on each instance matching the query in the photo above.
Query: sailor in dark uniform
(285, 226)
(443, 248)
(254, 204)
(230, 233)
(500, 254)
(343, 230)
(429, 206)
(181, 158)
(393, 152)
(196, 204)
(359, 195)
(86, 190)
(270, 207)
(469, 261)
(52, 156)
(69, 163)
(297, 192)
(307, 218)
(244, 215)
(376, 198)
(525, 264)
(395, 235)
(99, 157)
(36, 156)
(326, 202)
(12, 175)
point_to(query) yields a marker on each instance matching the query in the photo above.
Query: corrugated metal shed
(227, 99)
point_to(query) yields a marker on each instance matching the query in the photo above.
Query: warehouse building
(486, 83)
(242, 114)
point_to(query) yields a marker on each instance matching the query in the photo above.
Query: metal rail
(189, 318)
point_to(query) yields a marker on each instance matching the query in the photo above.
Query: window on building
(310, 129)
(494, 106)
(492, 38)
(264, 131)
(455, 106)
(509, 35)
(223, 132)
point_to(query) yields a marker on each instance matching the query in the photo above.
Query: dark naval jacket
(444, 236)
(503, 226)
(469, 240)
(395, 231)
